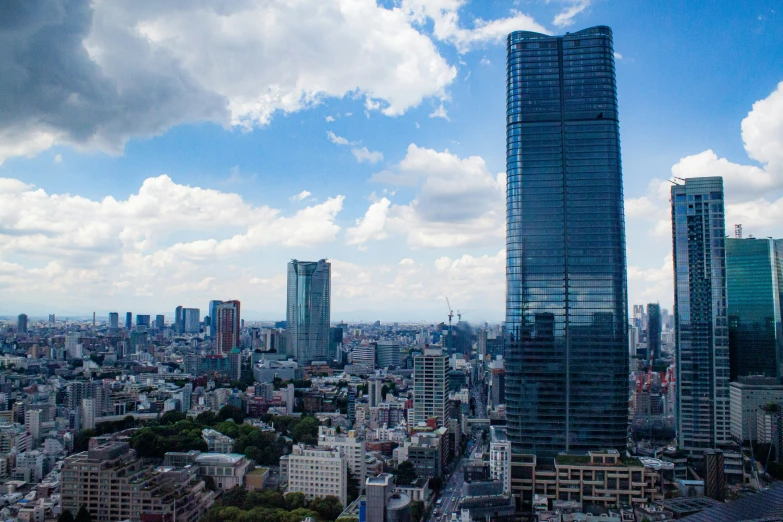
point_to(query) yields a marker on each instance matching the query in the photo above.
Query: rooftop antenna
(738, 231)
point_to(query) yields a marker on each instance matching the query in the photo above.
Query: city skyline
(400, 188)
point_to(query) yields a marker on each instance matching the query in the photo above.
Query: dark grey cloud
(50, 83)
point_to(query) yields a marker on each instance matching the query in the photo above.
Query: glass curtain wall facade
(700, 314)
(308, 313)
(566, 307)
(654, 330)
(753, 283)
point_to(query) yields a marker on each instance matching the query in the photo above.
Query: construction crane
(451, 312)
(459, 316)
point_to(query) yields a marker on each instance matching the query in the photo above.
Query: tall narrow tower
(566, 304)
(700, 314)
(227, 331)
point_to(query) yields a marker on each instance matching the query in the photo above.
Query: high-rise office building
(21, 324)
(128, 320)
(142, 320)
(701, 318)
(179, 320)
(387, 354)
(754, 284)
(654, 330)
(213, 317)
(191, 320)
(335, 342)
(566, 308)
(160, 322)
(227, 326)
(114, 320)
(308, 310)
(429, 386)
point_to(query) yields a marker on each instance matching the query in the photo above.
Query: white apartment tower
(352, 446)
(317, 472)
(429, 386)
(500, 457)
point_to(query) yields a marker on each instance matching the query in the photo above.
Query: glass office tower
(309, 310)
(700, 314)
(654, 330)
(566, 304)
(754, 284)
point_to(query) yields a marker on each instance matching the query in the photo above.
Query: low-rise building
(316, 472)
(113, 484)
(217, 442)
(599, 477)
(226, 469)
(256, 479)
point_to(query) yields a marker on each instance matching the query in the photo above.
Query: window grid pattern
(567, 358)
(700, 314)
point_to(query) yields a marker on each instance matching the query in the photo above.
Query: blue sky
(387, 119)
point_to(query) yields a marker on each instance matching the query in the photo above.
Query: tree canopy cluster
(175, 432)
(240, 505)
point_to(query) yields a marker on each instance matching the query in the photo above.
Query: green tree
(270, 499)
(306, 431)
(207, 418)
(231, 412)
(172, 417)
(436, 483)
(405, 474)
(417, 510)
(234, 497)
(82, 440)
(353, 487)
(253, 453)
(328, 508)
(209, 482)
(65, 516)
(294, 501)
(83, 515)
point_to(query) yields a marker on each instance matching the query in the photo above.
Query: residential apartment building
(701, 320)
(316, 472)
(430, 387)
(114, 485)
(500, 457)
(351, 446)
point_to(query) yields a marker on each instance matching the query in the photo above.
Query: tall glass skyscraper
(308, 314)
(700, 314)
(654, 329)
(754, 283)
(566, 304)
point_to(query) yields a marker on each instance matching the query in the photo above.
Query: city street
(452, 490)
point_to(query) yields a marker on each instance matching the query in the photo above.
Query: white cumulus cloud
(440, 112)
(458, 201)
(302, 195)
(566, 17)
(364, 154)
